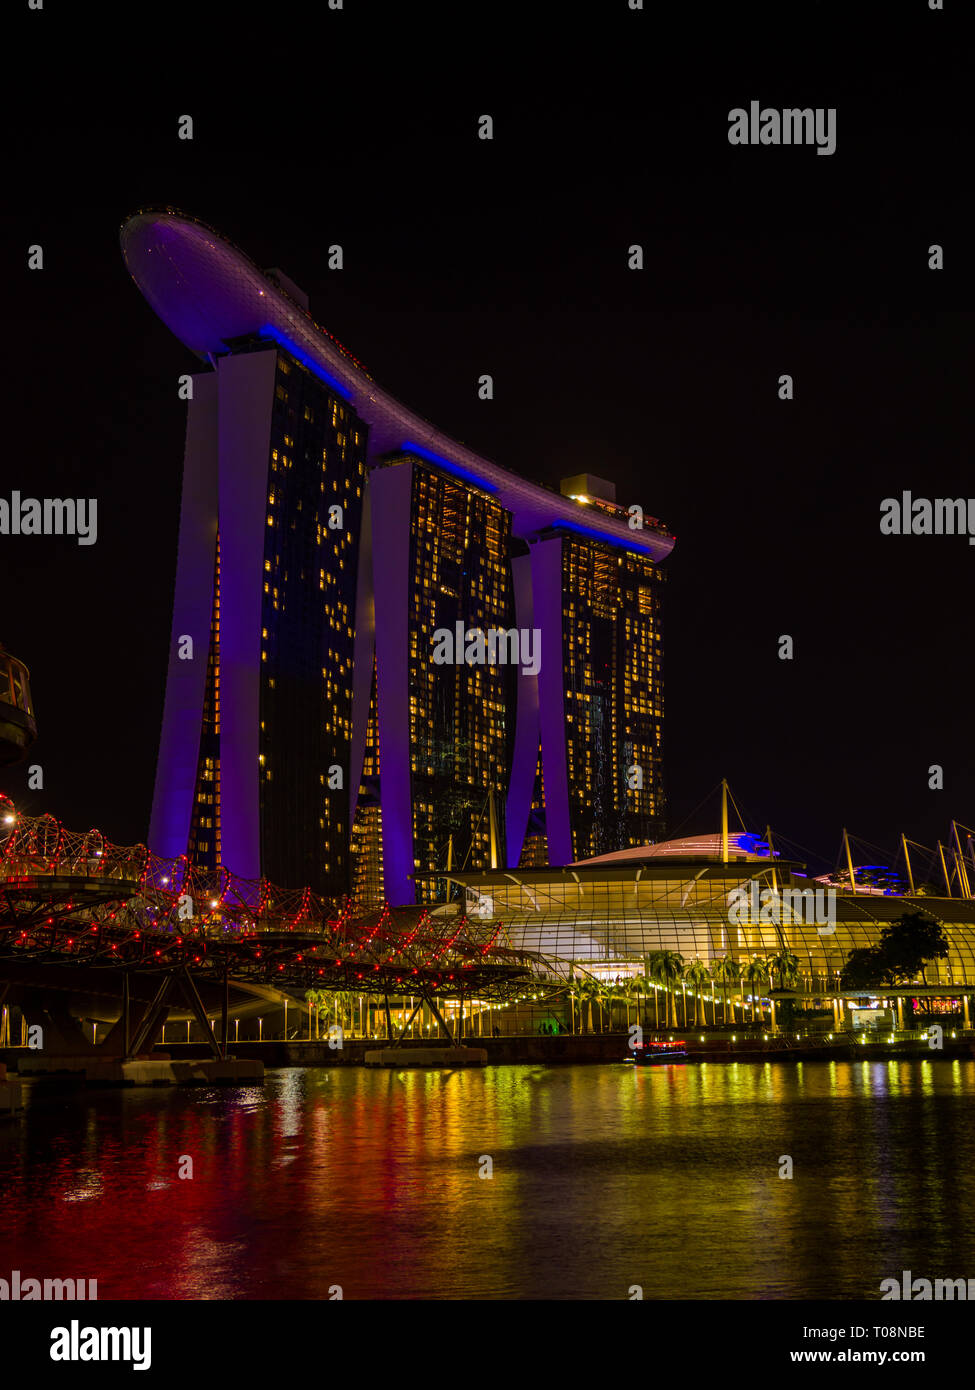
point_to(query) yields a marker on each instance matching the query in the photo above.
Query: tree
(864, 968)
(317, 999)
(603, 994)
(786, 966)
(909, 941)
(756, 973)
(577, 993)
(650, 971)
(348, 1002)
(727, 972)
(588, 993)
(637, 988)
(905, 945)
(595, 997)
(698, 976)
(668, 970)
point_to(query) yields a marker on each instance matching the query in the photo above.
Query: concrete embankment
(451, 1057)
(604, 1047)
(598, 1047)
(190, 1063)
(159, 1070)
(11, 1094)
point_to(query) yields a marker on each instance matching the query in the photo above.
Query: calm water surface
(604, 1177)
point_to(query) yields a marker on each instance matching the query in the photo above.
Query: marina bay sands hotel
(389, 656)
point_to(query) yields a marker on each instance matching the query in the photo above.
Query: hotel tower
(329, 539)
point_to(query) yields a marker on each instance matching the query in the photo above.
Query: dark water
(603, 1177)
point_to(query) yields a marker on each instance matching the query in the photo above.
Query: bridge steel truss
(70, 899)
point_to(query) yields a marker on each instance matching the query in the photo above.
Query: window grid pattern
(367, 829)
(612, 664)
(615, 923)
(204, 838)
(316, 475)
(459, 733)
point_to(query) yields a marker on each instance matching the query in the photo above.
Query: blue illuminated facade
(327, 533)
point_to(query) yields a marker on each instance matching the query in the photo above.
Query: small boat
(652, 1053)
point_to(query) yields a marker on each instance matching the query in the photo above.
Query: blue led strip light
(269, 331)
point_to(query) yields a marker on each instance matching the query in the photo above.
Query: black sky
(465, 257)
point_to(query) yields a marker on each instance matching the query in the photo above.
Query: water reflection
(602, 1177)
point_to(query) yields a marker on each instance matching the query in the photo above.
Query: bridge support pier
(419, 1006)
(225, 1010)
(145, 1034)
(151, 1020)
(196, 1004)
(440, 1019)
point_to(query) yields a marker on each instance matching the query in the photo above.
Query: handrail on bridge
(173, 901)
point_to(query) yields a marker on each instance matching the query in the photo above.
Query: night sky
(510, 257)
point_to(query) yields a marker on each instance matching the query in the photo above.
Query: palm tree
(668, 969)
(316, 999)
(698, 977)
(595, 997)
(576, 993)
(309, 1000)
(604, 998)
(650, 973)
(599, 994)
(652, 970)
(338, 1007)
(623, 995)
(348, 1007)
(621, 989)
(639, 984)
(581, 986)
(756, 973)
(727, 972)
(588, 990)
(786, 966)
(651, 989)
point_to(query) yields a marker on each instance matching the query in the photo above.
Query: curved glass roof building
(606, 917)
(389, 654)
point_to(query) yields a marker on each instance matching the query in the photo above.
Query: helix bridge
(75, 900)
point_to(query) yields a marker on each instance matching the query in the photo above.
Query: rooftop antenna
(724, 820)
(944, 867)
(849, 860)
(771, 855)
(907, 861)
(960, 863)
